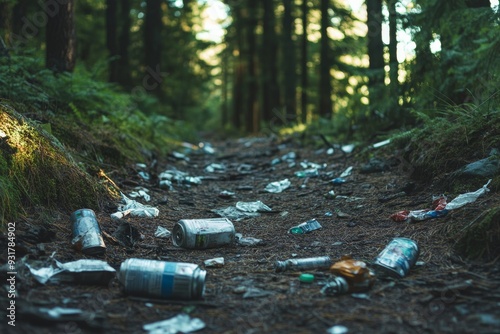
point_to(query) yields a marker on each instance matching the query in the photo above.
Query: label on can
(87, 235)
(203, 233)
(175, 280)
(398, 257)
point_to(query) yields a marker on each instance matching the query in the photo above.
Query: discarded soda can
(87, 235)
(319, 262)
(397, 257)
(169, 280)
(203, 233)
(306, 227)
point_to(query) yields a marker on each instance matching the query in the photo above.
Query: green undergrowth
(37, 171)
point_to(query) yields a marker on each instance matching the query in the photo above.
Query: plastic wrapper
(181, 323)
(347, 172)
(141, 192)
(162, 232)
(247, 241)
(467, 198)
(178, 177)
(358, 276)
(307, 227)
(252, 206)
(134, 208)
(278, 186)
(217, 262)
(81, 271)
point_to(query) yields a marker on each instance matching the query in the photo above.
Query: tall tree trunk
(152, 33)
(239, 70)
(375, 52)
(19, 13)
(270, 88)
(111, 38)
(325, 89)
(393, 58)
(61, 39)
(252, 116)
(288, 54)
(303, 63)
(124, 77)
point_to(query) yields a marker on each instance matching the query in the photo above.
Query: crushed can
(87, 235)
(162, 279)
(203, 233)
(397, 257)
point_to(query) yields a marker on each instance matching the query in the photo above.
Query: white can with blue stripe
(162, 279)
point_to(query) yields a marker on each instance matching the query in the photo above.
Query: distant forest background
(354, 70)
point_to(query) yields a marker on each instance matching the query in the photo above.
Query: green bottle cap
(306, 278)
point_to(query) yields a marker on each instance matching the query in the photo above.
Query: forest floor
(443, 293)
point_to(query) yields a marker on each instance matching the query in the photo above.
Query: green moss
(481, 239)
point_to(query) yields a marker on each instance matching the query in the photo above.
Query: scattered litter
(307, 227)
(85, 271)
(162, 279)
(330, 194)
(328, 214)
(319, 262)
(212, 168)
(306, 278)
(171, 176)
(242, 210)
(226, 194)
(206, 148)
(141, 192)
(337, 329)
(278, 186)
(374, 165)
(311, 172)
(338, 181)
(247, 241)
(203, 233)
(440, 207)
(217, 262)
(87, 236)
(347, 172)
(252, 206)
(162, 232)
(381, 143)
(135, 209)
(360, 296)
(352, 276)
(63, 314)
(179, 156)
(467, 198)
(398, 257)
(181, 323)
(348, 148)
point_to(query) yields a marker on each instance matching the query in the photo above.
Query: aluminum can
(397, 257)
(319, 262)
(162, 279)
(87, 235)
(203, 233)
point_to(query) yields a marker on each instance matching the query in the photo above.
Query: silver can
(162, 279)
(397, 258)
(87, 235)
(203, 233)
(319, 262)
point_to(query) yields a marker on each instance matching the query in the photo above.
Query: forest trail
(442, 293)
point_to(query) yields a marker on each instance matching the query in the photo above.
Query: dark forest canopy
(250, 66)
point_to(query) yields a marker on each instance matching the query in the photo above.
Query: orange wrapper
(355, 272)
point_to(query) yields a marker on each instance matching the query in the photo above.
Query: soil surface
(442, 293)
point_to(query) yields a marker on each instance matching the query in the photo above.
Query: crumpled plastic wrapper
(355, 272)
(134, 208)
(82, 271)
(242, 210)
(217, 262)
(278, 186)
(162, 232)
(181, 323)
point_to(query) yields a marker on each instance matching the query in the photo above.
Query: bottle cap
(306, 278)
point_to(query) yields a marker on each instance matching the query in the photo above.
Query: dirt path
(443, 293)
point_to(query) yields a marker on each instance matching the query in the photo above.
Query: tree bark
(124, 77)
(288, 55)
(325, 89)
(152, 33)
(303, 63)
(111, 38)
(375, 51)
(270, 88)
(61, 39)
(252, 112)
(393, 56)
